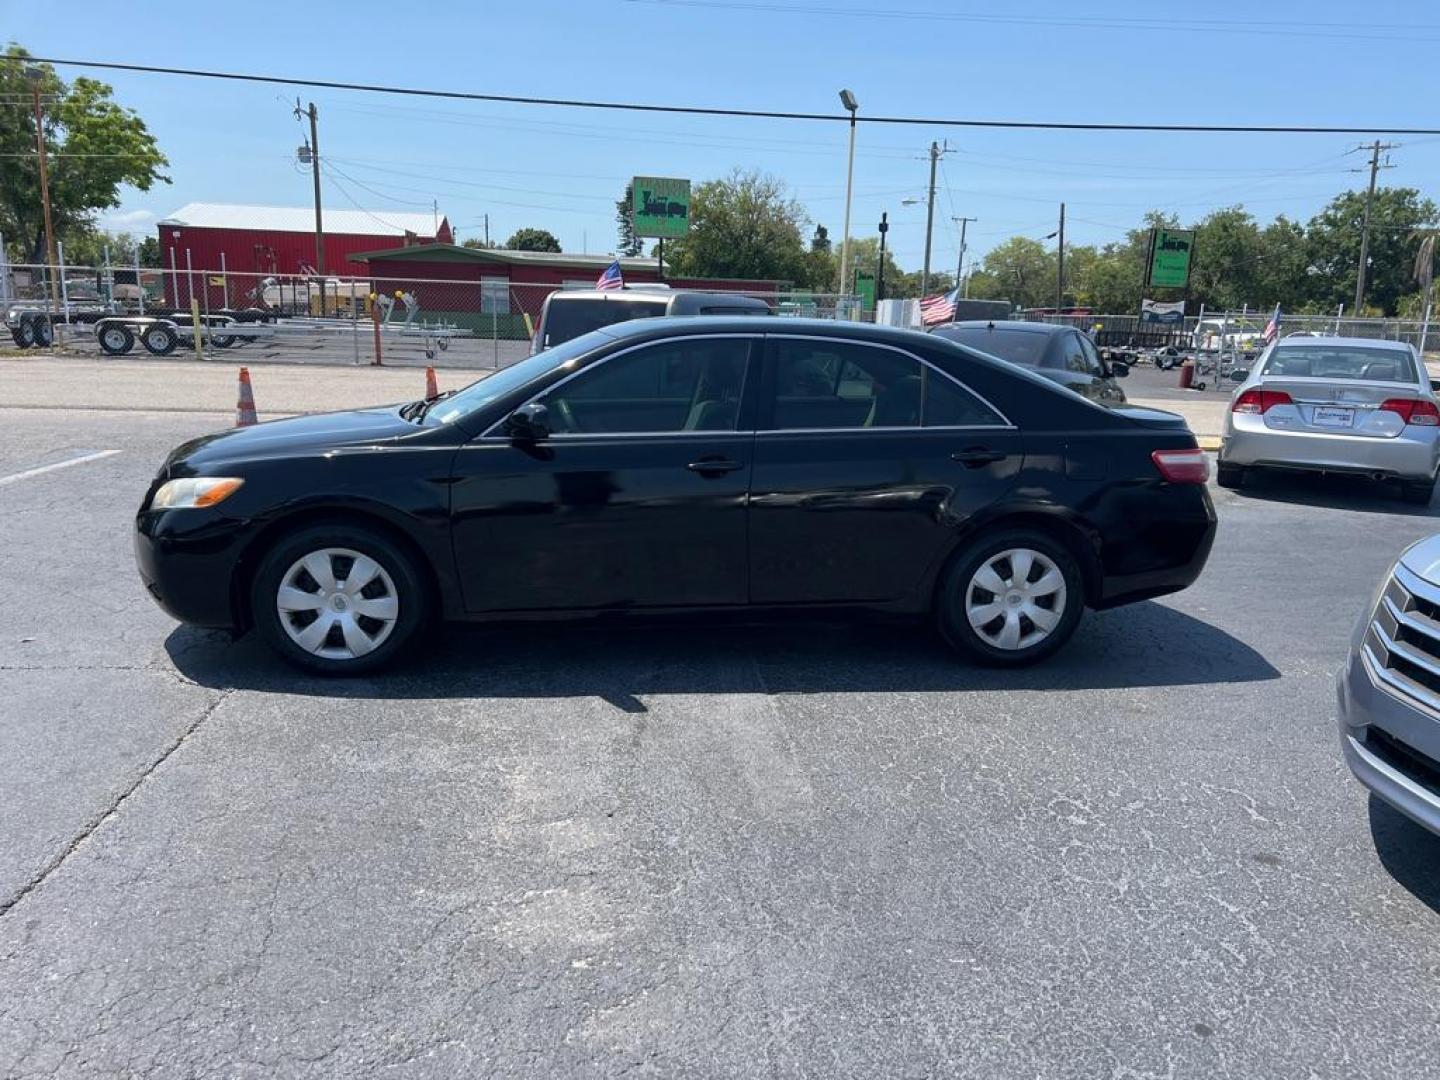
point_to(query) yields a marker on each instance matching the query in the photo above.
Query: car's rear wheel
(1229, 476)
(1418, 492)
(1011, 598)
(338, 599)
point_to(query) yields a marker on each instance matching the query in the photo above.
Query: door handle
(976, 456)
(714, 466)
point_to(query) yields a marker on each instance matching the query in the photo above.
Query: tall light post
(36, 77)
(847, 99)
(960, 262)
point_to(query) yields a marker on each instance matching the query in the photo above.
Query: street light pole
(36, 76)
(847, 99)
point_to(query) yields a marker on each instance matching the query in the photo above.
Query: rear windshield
(1341, 362)
(568, 319)
(1024, 347)
(479, 394)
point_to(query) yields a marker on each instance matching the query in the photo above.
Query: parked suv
(1389, 689)
(569, 313)
(1062, 354)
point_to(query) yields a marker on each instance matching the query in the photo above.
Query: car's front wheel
(338, 599)
(1011, 598)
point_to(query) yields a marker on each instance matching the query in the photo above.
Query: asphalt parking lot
(807, 849)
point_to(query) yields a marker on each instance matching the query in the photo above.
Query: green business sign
(865, 289)
(1171, 252)
(660, 206)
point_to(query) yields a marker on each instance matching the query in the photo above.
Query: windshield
(1018, 346)
(1341, 362)
(479, 394)
(568, 318)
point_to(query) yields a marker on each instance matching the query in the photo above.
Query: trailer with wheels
(30, 326)
(161, 335)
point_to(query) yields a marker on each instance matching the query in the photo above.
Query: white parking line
(13, 477)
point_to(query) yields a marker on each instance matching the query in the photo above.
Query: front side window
(691, 384)
(1075, 355)
(1092, 356)
(827, 385)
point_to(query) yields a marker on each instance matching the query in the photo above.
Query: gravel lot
(806, 849)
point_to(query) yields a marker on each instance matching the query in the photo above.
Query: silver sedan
(1336, 405)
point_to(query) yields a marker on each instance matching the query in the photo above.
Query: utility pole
(848, 100)
(880, 270)
(1375, 148)
(487, 230)
(36, 76)
(312, 153)
(1060, 265)
(960, 262)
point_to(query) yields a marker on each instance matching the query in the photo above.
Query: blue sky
(1316, 62)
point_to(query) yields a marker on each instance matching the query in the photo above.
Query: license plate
(1328, 416)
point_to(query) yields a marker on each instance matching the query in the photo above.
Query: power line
(763, 114)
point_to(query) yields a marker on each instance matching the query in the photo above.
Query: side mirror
(1239, 374)
(529, 423)
(1119, 369)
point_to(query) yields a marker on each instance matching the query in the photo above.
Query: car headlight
(194, 491)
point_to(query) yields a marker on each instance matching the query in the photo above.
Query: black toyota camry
(663, 465)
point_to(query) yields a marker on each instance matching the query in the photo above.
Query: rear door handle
(976, 456)
(714, 466)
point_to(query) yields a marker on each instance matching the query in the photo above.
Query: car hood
(314, 433)
(1423, 558)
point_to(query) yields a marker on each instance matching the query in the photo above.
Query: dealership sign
(1153, 311)
(1167, 265)
(660, 206)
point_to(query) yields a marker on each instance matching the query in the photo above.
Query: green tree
(1334, 247)
(627, 244)
(479, 243)
(1021, 270)
(1282, 271)
(744, 225)
(1226, 264)
(533, 240)
(93, 146)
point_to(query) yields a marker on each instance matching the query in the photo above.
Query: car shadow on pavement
(1332, 492)
(1146, 644)
(1410, 853)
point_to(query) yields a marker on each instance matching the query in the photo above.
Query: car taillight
(1412, 411)
(1182, 466)
(1259, 402)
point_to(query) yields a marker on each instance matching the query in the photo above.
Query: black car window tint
(568, 319)
(685, 385)
(823, 384)
(1019, 346)
(948, 404)
(1092, 356)
(1075, 355)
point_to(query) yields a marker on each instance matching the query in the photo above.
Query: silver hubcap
(337, 603)
(1015, 598)
(114, 339)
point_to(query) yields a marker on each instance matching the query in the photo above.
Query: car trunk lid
(1338, 406)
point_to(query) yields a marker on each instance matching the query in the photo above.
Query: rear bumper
(1166, 539)
(1247, 442)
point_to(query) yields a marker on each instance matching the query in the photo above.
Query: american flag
(611, 278)
(1272, 328)
(938, 309)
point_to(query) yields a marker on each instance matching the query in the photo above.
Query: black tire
(1230, 476)
(1418, 492)
(160, 339)
(957, 584)
(222, 341)
(23, 333)
(115, 340)
(44, 331)
(410, 589)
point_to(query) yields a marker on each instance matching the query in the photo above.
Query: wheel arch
(304, 517)
(1059, 524)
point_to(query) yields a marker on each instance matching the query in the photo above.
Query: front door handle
(714, 466)
(976, 456)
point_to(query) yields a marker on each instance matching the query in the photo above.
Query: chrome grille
(1402, 646)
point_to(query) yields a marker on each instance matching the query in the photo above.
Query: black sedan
(726, 464)
(1061, 353)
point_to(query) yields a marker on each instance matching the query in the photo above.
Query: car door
(867, 461)
(635, 499)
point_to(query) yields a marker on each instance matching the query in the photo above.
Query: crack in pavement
(106, 814)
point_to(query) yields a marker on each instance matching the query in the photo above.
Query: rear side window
(827, 385)
(566, 319)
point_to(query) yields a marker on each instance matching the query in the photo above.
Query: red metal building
(280, 240)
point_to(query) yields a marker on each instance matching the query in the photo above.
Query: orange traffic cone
(431, 390)
(245, 406)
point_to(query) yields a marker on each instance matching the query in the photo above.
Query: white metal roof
(301, 219)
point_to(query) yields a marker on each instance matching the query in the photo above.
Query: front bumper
(1248, 443)
(187, 560)
(1383, 740)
